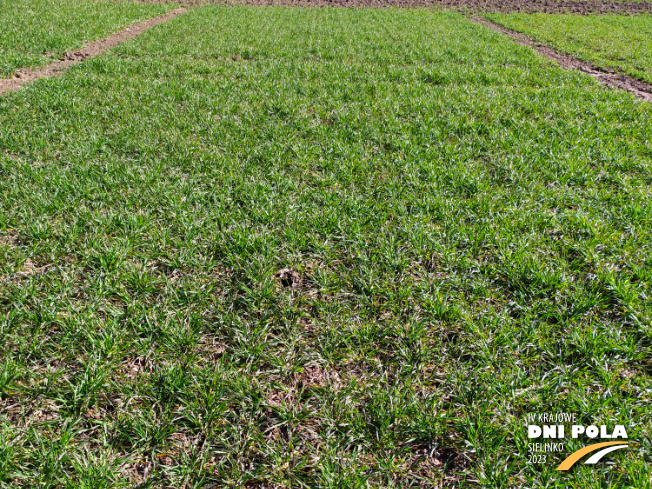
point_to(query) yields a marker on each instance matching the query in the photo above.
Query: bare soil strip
(466, 6)
(612, 79)
(92, 49)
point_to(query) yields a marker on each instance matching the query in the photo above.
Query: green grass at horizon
(34, 32)
(620, 42)
(468, 223)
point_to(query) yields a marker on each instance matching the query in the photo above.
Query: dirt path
(92, 49)
(639, 88)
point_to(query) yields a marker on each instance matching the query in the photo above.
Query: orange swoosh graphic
(574, 457)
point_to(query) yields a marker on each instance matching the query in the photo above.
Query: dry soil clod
(289, 278)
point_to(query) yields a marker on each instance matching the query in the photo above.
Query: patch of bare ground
(444, 463)
(9, 238)
(28, 268)
(493, 6)
(92, 49)
(611, 79)
(289, 278)
(137, 472)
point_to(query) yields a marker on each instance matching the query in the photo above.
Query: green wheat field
(339, 248)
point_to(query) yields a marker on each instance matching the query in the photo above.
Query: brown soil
(92, 49)
(639, 88)
(468, 6)
(289, 278)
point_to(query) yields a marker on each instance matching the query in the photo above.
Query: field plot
(621, 43)
(320, 248)
(33, 32)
